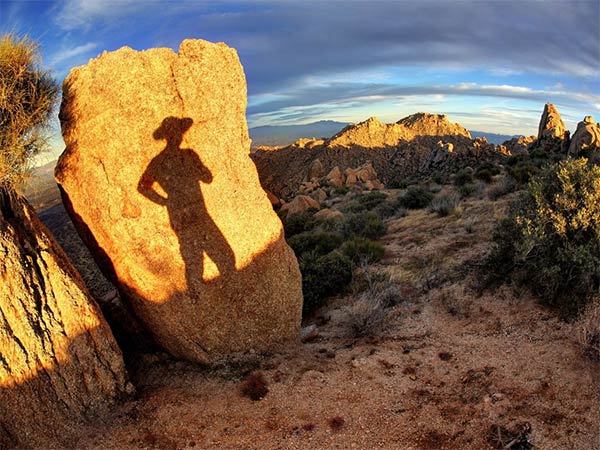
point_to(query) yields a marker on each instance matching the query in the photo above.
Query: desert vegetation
(550, 241)
(27, 97)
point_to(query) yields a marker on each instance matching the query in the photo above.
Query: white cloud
(66, 54)
(81, 14)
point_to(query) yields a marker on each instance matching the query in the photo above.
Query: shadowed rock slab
(59, 363)
(157, 178)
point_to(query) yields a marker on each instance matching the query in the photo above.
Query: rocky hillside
(419, 146)
(415, 145)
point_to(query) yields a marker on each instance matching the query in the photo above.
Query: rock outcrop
(517, 145)
(587, 136)
(157, 179)
(409, 148)
(425, 124)
(370, 133)
(551, 124)
(299, 204)
(59, 363)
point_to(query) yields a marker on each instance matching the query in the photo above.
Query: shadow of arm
(144, 187)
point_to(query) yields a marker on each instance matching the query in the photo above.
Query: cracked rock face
(59, 363)
(158, 180)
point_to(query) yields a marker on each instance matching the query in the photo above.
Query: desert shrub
(321, 242)
(366, 316)
(27, 97)
(506, 185)
(438, 178)
(372, 199)
(513, 160)
(444, 205)
(468, 189)
(366, 224)
(484, 175)
(386, 209)
(463, 177)
(366, 202)
(361, 249)
(550, 240)
(389, 295)
(435, 188)
(353, 207)
(540, 154)
(588, 330)
(415, 197)
(522, 173)
(340, 191)
(397, 183)
(323, 276)
(299, 223)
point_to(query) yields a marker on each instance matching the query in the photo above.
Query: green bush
(340, 191)
(513, 160)
(321, 242)
(323, 276)
(550, 240)
(365, 202)
(524, 172)
(397, 183)
(444, 205)
(386, 209)
(299, 223)
(484, 175)
(360, 249)
(462, 177)
(365, 224)
(467, 189)
(27, 97)
(416, 197)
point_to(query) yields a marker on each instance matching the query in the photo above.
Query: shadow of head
(172, 128)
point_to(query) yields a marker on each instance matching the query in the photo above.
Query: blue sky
(488, 64)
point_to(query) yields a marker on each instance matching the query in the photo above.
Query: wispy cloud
(67, 54)
(82, 14)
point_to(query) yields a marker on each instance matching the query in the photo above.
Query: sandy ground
(454, 368)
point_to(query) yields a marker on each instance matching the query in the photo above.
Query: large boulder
(587, 136)
(551, 124)
(59, 363)
(157, 178)
(299, 204)
(335, 178)
(517, 145)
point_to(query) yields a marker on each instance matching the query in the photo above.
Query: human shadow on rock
(178, 173)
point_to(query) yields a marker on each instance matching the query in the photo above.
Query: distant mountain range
(281, 135)
(276, 135)
(493, 138)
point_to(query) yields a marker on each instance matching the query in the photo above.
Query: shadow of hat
(172, 127)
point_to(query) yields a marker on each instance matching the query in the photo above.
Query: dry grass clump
(506, 185)
(588, 330)
(368, 315)
(444, 205)
(27, 96)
